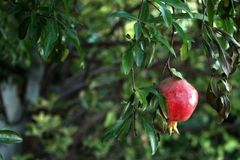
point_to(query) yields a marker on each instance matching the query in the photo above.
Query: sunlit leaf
(167, 16)
(123, 14)
(176, 73)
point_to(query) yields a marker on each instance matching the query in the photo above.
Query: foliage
(124, 55)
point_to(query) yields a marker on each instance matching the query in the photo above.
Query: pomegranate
(181, 98)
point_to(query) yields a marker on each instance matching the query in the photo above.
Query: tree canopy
(79, 79)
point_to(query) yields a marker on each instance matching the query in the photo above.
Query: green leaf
(128, 109)
(160, 97)
(139, 55)
(176, 4)
(123, 14)
(196, 16)
(166, 14)
(122, 127)
(151, 134)
(176, 73)
(225, 65)
(163, 41)
(23, 28)
(152, 54)
(8, 136)
(142, 95)
(138, 30)
(34, 31)
(144, 13)
(48, 38)
(181, 33)
(125, 128)
(210, 12)
(228, 37)
(127, 61)
(72, 36)
(184, 51)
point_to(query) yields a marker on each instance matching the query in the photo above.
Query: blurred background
(62, 110)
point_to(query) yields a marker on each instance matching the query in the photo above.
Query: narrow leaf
(124, 14)
(138, 30)
(23, 28)
(185, 37)
(144, 13)
(176, 73)
(48, 38)
(139, 55)
(127, 60)
(166, 14)
(184, 51)
(151, 134)
(72, 36)
(210, 11)
(176, 4)
(141, 94)
(152, 54)
(8, 136)
(163, 41)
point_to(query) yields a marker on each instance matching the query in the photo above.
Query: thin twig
(204, 12)
(134, 122)
(133, 80)
(168, 65)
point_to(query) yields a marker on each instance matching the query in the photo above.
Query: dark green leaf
(138, 30)
(124, 14)
(163, 41)
(127, 60)
(176, 4)
(125, 128)
(151, 134)
(8, 136)
(72, 36)
(176, 73)
(139, 55)
(210, 11)
(144, 13)
(225, 65)
(160, 97)
(23, 28)
(121, 128)
(128, 109)
(34, 31)
(152, 54)
(196, 16)
(181, 33)
(48, 38)
(228, 37)
(142, 95)
(166, 14)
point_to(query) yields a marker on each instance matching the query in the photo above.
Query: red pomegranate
(181, 98)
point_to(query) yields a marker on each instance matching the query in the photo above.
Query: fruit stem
(172, 126)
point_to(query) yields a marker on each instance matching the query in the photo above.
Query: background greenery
(80, 53)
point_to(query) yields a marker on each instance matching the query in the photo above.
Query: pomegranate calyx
(172, 126)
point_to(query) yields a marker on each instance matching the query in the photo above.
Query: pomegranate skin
(181, 98)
